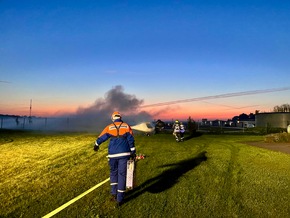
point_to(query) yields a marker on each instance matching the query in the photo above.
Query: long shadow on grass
(193, 135)
(168, 178)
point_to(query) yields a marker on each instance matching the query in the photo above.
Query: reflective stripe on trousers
(118, 170)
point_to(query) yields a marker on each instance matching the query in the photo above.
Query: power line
(227, 95)
(231, 107)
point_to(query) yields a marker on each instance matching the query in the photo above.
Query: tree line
(282, 108)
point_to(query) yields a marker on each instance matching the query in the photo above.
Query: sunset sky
(66, 55)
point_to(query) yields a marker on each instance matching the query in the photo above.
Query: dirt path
(282, 147)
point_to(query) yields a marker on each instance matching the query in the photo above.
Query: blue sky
(67, 54)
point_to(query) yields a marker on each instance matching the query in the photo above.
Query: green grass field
(205, 176)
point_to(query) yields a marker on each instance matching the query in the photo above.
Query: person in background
(121, 149)
(176, 130)
(182, 131)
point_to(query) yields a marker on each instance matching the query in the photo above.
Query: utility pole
(30, 108)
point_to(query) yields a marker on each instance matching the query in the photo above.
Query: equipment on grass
(145, 127)
(140, 156)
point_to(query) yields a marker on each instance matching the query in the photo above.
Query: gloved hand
(133, 156)
(96, 147)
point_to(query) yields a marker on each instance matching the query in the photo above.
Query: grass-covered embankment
(205, 176)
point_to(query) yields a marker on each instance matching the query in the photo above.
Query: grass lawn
(205, 176)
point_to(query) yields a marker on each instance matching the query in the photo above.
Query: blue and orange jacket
(122, 143)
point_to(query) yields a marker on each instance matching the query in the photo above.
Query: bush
(264, 130)
(277, 137)
(191, 126)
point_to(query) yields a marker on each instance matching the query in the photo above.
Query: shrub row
(277, 137)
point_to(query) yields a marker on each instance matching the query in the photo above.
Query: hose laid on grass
(75, 199)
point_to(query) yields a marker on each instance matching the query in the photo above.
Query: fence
(43, 123)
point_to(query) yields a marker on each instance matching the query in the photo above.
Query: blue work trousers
(118, 170)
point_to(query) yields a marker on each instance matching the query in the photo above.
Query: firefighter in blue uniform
(182, 131)
(121, 148)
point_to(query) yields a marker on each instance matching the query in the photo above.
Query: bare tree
(282, 108)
